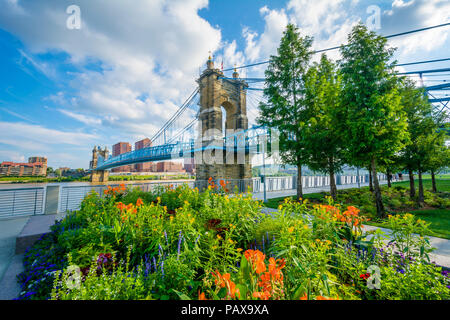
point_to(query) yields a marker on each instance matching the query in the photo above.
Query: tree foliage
(285, 94)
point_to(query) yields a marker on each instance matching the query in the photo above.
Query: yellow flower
(305, 227)
(280, 207)
(192, 220)
(238, 249)
(291, 229)
(219, 237)
(171, 218)
(158, 199)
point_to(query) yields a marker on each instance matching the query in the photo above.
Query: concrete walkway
(16, 234)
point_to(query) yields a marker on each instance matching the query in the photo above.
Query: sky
(131, 64)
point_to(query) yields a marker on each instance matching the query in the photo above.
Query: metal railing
(72, 196)
(21, 201)
(32, 201)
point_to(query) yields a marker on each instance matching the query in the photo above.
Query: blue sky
(129, 67)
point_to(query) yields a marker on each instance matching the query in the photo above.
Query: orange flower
(201, 296)
(256, 259)
(265, 295)
(139, 202)
(304, 297)
(224, 281)
(325, 298)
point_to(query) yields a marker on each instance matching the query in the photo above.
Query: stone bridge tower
(99, 175)
(220, 161)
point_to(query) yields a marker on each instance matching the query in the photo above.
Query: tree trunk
(421, 197)
(370, 179)
(377, 191)
(299, 182)
(389, 177)
(412, 189)
(333, 189)
(433, 181)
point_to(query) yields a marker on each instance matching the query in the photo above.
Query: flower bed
(185, 244)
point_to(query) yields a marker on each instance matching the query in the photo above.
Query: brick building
(168, 166)
(146, 166)
(189, 165)
(120, 148)
(36, 166)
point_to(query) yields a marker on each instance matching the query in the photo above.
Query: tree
(322, 98)
(439, 159)
(285, 90)
(373, 122)
(425, 138)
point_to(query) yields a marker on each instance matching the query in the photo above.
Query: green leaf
(243, 291)
(181, 295)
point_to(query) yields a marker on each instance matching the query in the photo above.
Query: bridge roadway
(248, 141)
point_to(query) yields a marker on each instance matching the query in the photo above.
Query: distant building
(118, 149)
(36, 166)
(146, 166)
(189, 165)
(168, 166)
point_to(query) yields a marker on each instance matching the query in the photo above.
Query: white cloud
(37, 137)
(404, 16)
(81, 117)
(151, 48)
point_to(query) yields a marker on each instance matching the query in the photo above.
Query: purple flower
(179, 245)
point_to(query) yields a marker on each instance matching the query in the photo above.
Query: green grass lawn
(439, 218)
(442, 183)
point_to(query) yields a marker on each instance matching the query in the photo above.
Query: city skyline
(68, 90)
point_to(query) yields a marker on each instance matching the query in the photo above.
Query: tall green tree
(424, 136)
(322, 98)
(285, 95)
(373, 123)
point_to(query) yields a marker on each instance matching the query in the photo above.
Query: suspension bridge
(229, 135)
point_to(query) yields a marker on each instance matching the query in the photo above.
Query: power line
(337, 47)
(422, 62)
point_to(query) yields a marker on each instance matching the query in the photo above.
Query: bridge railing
(21, 202)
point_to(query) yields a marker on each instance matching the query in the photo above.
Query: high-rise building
(120, 148)
(146, 166)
